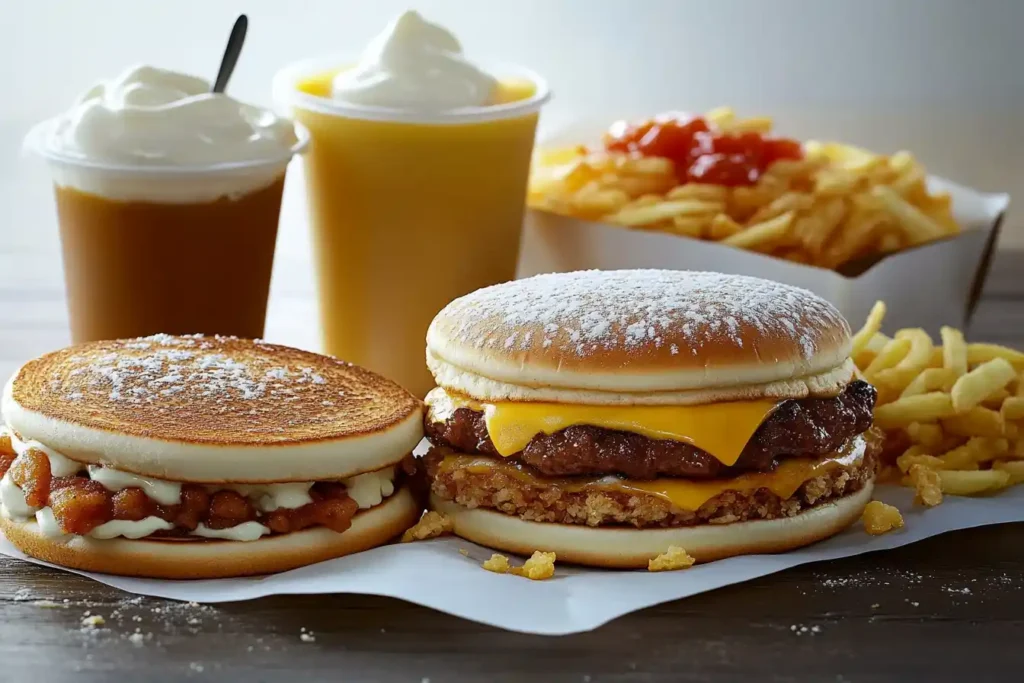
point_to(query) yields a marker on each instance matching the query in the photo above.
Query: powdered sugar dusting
(588, 312)
(161, 366)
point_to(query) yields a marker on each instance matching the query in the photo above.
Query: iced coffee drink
(168, 198)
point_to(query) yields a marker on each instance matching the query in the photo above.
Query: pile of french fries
(836, 205)
(955, 410)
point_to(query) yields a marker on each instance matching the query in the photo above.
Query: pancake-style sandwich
(607, 416)
(189, 457)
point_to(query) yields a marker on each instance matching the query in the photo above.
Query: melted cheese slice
(721, 429)
(784, 481)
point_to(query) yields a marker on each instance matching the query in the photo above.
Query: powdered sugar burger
(607, 416)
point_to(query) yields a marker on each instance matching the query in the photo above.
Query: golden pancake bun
(588, 336)
(212, 409)
(629, 548)
(210, 559)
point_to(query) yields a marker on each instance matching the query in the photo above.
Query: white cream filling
(12, 499)
(247, 531)
(129, 529)
(370, 488)
(367, 490)
(163, 492)
(270, 497)
(48, 524)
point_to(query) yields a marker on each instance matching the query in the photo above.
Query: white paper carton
(928, 286)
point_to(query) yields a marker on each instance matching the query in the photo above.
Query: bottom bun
(631, 548)
(211, 559)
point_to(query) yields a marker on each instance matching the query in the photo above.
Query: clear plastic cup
(408, 211)
(179, 250)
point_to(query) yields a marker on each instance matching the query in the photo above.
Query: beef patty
(803, 427)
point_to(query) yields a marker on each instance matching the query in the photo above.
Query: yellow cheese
(721, 429)
(784, 481)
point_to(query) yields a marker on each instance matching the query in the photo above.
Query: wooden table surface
(947, 609)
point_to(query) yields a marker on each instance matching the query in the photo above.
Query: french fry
(909, 183)
(977, 450)
(954, 350)
(767, 233)
(916, 360)
(977, 421)
(595, 202)
(700, 192)
(889, 241)
(689, 226)
(863, 358)
(644, 200)
(838, 182)
(930, 379)
(845, 156)
(1015, 468)
(721, 117)
(641, 216)
(871, 326)
(757, 124)
(888, 357)
(816, 229)
(656, 166)
(908, 460)
(915, 224)
(982, 353)
(789, 202)
(995, 399)
(922, 408)
(928, 436)
(854, 239)
(961, 457)
(972, 388)
(722, 227)
(1013, 408)
(972, 483)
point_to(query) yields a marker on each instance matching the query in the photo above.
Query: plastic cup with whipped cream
(168, 201)
(416, 179)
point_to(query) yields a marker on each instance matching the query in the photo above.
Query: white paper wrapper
(436, 575)
(929, 286)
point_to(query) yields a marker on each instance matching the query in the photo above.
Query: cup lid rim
(34, 142)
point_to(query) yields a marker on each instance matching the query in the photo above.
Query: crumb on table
(880, 518)
(540, 566)
(672, 559)
(497, 564)
(431, 525)
(927, 484)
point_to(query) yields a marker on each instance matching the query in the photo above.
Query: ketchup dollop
(701, 153)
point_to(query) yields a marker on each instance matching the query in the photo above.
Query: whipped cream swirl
(417, 66)
(153, 117)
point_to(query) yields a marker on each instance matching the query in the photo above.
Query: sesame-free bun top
(639, 336)
(212, 409)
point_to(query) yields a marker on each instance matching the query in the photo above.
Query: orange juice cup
(408, 211)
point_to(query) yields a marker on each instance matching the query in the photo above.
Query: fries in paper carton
(928, 285)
